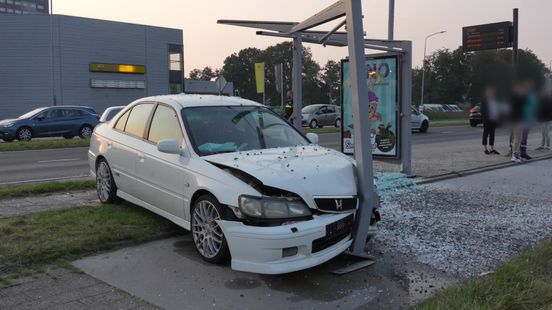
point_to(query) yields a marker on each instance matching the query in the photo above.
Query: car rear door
(165, 176)
(125, 147)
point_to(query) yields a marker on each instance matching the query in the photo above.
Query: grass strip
(523, 283)
(21, 190)
(43, 144)
(46, 237)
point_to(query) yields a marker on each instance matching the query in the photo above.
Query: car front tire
(337, 123)
(24, 134)
(313, 124)
(207, 235)
(105, 184)
(85, 132)
(424, 127)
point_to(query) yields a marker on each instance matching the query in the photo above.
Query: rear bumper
(260, 249)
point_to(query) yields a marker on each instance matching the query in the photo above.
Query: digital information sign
(487, 36)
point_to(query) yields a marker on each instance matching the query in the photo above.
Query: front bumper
(7, 133)
(260, 249)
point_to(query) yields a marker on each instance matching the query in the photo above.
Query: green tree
(331, 80)
(206, 74)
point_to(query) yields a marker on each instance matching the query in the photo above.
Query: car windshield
(32, 113)
(229, 129)
(310, 109)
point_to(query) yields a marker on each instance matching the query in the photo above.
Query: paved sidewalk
(59, 288)
(26, 205)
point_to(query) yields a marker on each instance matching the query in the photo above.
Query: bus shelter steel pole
(406, 102)
(297, 81)
(361, 123)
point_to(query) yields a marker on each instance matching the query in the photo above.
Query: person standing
(516, 116)
(545, 118)
(529, 115)
(490, 114)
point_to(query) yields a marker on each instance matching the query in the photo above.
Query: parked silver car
(419, 120)
(320, 115)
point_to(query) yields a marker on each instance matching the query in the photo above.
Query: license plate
(337, 228)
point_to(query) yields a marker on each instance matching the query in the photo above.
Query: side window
(52, 113)
(136, 123)
(165, 125)
(121, 122)
(71, 113)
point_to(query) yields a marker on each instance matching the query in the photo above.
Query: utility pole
(515, 44)
(391, 21)
(424, 65)
(54, 101)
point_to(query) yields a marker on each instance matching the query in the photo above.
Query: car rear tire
(24, 134)
(424, 127)
(313, 124)
(105, 184)
(473, 123)
(207, 235)
(337, 123)
(85, 132)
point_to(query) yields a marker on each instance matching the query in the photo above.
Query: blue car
(60, 121)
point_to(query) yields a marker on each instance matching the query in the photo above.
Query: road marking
(48, 179)
(58, 160)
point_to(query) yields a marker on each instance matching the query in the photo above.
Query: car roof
(187, 100)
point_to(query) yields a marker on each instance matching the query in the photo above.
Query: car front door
(322, 116)
(164, 176)
(47, 123)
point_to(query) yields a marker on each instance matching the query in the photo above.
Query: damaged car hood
(304, 170)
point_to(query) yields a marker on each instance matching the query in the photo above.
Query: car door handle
(141, 157)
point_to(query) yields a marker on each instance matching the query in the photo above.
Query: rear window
(136, 123)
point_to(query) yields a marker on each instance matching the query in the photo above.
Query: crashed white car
(248, 186)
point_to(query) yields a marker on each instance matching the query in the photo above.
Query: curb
(462, 173)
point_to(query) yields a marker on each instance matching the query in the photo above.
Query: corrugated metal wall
(25, 61)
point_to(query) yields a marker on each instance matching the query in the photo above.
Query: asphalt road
(28, 166)
(41, 165)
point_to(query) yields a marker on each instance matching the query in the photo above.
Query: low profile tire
(313, 124)
(473, 124)
(208, 237)
(105, 184)
(24, 134)
(68, 137)
(424, 127)
(85, 132)
(337, 123)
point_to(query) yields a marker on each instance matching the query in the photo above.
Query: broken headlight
(273, 208)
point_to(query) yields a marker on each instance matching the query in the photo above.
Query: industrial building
(65, 60)
(24, 6)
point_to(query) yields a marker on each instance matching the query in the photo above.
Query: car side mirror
(169, 146)
(313, 138)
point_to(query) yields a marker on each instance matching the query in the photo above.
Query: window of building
(136, 123)
(121, 122)
(165, 125)
(3, 1)
(2, 10)
(176, 65)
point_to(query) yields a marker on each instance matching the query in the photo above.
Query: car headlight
(273, 208)
(8, 125)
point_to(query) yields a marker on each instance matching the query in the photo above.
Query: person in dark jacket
(545, 118)
(518, 100)
(490, 114)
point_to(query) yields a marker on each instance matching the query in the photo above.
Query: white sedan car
(248, 186)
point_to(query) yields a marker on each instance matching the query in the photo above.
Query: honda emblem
(339, 204)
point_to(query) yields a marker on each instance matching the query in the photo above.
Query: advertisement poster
(382, 96)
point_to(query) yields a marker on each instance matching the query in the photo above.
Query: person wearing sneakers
(490, 115)
(545, 118)
(517, 102)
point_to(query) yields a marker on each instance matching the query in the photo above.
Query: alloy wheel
(86, 132)
(206, 233)
(103, 181)
(24, 134)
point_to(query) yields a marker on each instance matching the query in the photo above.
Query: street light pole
(424, 64)
(54, 101)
